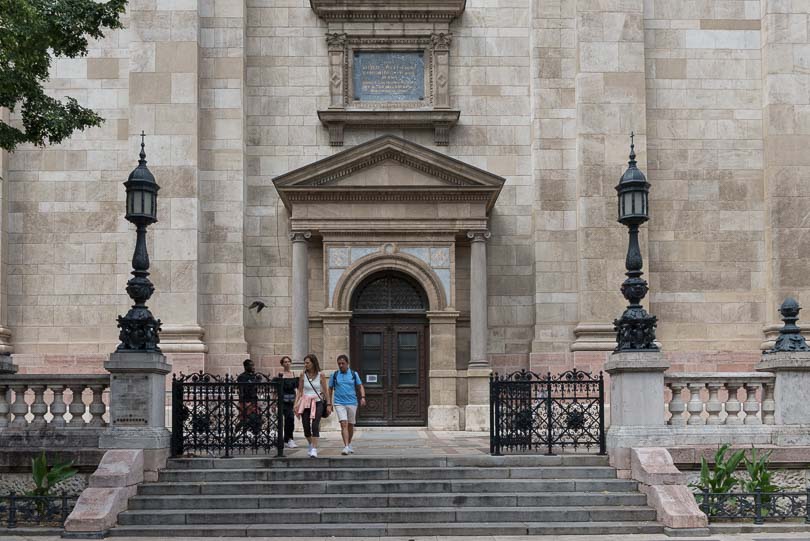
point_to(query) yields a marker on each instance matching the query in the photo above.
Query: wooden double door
(391, 355)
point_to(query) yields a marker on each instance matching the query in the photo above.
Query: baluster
(768, 404)
(19, 408)
(77, 406)
(39, 408)
(695, 406)
(677, 406)
(751, 406)
(97, 407)
(5, 407)
(58, 407)
(713, 405)
(733, 405)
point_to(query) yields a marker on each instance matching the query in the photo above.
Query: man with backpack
(345, 384)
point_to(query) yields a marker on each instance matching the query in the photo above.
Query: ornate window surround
(422, 25)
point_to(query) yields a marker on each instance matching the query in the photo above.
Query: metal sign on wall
(389, 75)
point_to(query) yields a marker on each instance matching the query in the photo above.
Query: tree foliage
(32, 34)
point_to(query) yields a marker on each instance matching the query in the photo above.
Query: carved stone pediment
(388, 10)
(388, 168)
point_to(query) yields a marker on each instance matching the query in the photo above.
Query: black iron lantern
(139, 329)
(635, 330)
(141, 192)
(633, 190)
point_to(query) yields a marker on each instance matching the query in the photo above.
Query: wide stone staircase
(360, 496)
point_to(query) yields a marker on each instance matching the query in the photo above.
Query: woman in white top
(312, 400)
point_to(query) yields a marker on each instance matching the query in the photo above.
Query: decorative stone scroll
(397, 76)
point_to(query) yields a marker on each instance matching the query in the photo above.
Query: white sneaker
(349, 447)
(290, 444)
(346, 450)
(313, 453)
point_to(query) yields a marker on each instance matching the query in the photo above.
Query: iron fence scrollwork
(531, 413)
(16, 510)
(758, 506)
(226, 415)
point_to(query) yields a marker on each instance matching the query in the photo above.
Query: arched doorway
(389, 345)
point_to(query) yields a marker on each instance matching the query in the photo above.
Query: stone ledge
(795, 361)
(440, 120)
(636, 361)
(390, 10)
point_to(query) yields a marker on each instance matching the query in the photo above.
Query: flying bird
(258, 305)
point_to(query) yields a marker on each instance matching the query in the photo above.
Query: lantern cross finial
(632, 162)
(142, 155)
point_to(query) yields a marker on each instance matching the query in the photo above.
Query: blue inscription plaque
(389, 76)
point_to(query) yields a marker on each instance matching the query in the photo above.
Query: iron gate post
(549, 412)
(280, 435)
(602, 443)
(177, 421)
(228, 416)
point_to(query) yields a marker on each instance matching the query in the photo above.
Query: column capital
(299, 236)
(479, 235)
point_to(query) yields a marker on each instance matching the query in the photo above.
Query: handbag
(326, 412)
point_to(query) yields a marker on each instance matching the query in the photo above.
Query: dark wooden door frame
(388, 325)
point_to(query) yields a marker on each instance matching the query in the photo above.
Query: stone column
(6, 366)
(300, 297)
(478, 299)
(636, 400)
(786, 136)
(476, 415)
(610, 103)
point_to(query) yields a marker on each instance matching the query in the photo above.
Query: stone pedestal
(792, 370)
(476, 413)
(137, 402)
(636, 388)
(6, 366)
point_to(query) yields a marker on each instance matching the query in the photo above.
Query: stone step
(388, 486)
(386, 514)
(321, 501)
(366, 461)
(371, 474)
(391, 529)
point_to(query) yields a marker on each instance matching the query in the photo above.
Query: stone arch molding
(405, 263)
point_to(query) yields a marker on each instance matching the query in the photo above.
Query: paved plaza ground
(388, 441)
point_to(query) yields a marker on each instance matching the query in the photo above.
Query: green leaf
(34, 32)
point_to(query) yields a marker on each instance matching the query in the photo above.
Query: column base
(443, 418)
(6, 366)
(476, 418)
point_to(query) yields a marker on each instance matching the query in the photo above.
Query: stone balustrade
(39, 401)
(720, 398)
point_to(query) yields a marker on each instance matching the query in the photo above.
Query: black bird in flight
(258, 305)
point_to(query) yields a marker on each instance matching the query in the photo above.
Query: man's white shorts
(346, 413)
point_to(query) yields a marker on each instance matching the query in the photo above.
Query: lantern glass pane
(137, 207)
(147, 200)
(627, 203)
(638, 202)
(129, 203)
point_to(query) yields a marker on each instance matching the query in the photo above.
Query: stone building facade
(494, 189)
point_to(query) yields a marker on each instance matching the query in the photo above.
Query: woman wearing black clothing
(289, 387)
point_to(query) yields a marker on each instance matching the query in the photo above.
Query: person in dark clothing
(248, 398)
(288, 392)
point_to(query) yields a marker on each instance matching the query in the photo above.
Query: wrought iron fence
(531, 413)
(225, 415)
(17, 510)
(759, 506)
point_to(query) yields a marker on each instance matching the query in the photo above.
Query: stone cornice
(441, 120)
(388, 10)
(360, 195)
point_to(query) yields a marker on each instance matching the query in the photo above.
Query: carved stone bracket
(300, 236)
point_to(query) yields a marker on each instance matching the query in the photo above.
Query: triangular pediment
(389, 162)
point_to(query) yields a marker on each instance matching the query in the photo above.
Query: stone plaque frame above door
(421, 25)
